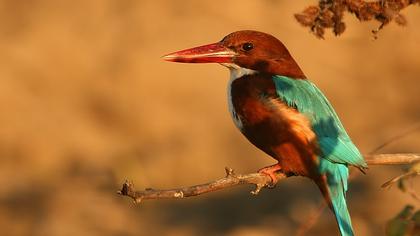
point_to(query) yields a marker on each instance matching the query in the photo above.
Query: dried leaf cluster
(406, 223)
(329, 14)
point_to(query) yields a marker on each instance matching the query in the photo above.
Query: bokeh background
(86, 102)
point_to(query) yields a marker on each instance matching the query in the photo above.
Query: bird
(280, 111)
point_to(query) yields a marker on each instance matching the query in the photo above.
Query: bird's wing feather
(333, 140)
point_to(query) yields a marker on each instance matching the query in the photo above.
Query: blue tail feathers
(335, 192)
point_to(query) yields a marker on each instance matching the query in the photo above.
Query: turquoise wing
(303, 95)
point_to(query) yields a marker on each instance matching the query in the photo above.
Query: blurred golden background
(86, 102)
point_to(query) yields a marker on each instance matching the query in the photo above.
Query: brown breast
(272, 126)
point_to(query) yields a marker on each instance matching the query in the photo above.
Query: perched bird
(284, 114)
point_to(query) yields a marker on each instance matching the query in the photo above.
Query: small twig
(396, 138)
(232, 179)
(412, 192)
(313, 218)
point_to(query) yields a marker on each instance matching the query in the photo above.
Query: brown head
(246, 49)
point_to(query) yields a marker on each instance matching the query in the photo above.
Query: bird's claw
(271, 172)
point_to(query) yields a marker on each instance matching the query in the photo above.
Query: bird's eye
(247, 46)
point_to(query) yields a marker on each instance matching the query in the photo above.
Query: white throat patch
(235, 73)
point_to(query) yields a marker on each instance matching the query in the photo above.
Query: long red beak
(211, 53)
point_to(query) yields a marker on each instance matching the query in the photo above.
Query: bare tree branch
(231, 179)
(257, 179)
(392, 159)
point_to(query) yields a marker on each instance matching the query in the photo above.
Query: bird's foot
(271, 171)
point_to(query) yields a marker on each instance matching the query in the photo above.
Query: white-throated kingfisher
(284, 114)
